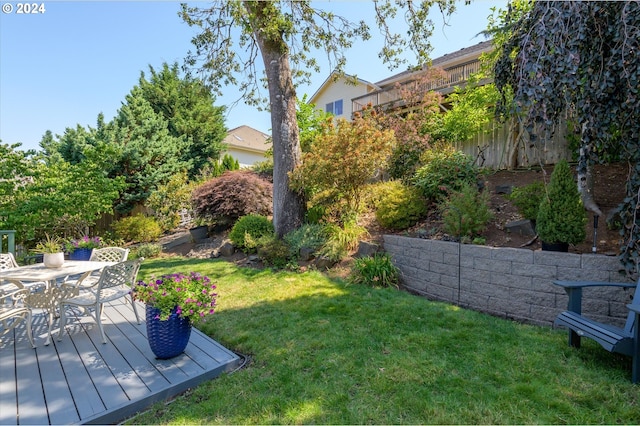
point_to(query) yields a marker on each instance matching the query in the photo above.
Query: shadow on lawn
(330, 352)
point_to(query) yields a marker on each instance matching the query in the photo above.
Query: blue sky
(63, 67)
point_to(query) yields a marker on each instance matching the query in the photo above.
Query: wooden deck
(81, 380)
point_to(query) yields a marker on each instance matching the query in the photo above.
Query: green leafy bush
(312, 236)
(445, 170)
(315, 214)
(376, 271)
(248, 230)
(561, 216)
(405, 159)
(264, 168)
(274, 252)
(147, 250)
(341, 240)
(224, 199)
(348, 235)
(527, 199)
(170, 199)
(138, 228)
(398, 206)
(466, 213)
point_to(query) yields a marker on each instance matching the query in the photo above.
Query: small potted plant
(51, 248)
(561, 217)
(173, 302)
(81, 248)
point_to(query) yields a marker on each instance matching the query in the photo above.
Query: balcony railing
(393, 95)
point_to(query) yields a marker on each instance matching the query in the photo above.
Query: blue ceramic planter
(80, 254)
(168, 338)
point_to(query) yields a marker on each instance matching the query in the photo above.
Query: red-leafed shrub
(224, 199)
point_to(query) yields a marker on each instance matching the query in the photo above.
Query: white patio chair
(107, 254)
(7, 261)
(115, 282)
(13, 310)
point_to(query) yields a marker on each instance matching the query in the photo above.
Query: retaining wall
(508, 282)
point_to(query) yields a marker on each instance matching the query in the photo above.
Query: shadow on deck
(80, 380)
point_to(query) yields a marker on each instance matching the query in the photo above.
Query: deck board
(80, 380)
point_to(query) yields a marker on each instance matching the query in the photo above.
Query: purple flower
(188, 295)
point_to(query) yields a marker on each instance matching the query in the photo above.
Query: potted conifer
(561, 217)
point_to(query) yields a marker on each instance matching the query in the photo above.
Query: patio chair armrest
(15, 294)
(581, 284)
(574, 290)
(77, 283)
(634, 308)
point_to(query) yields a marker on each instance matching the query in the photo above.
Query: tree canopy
(38, 192)
(149, 155)
(579, 59)
(167, 124)
(188, 108)
(287, 33)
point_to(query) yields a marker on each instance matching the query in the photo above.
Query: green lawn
(323, 351)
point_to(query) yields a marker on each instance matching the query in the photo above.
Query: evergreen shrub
(248, 230)
(311, 236)
(466, 213)
(147, 250)
(561, 216)
(274, 252)
(445, 170)
(527, 199)
(169, 199)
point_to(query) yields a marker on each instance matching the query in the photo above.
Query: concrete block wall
(508, 282)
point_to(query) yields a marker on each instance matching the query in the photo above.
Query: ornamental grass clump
(376, 271)
(192, 296)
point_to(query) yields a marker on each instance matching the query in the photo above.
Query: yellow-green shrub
(398, 206)
(138, 228)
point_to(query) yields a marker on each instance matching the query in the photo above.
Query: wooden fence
(507, 146)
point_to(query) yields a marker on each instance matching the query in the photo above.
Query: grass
(323, 351)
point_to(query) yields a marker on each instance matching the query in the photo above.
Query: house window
(334, 108)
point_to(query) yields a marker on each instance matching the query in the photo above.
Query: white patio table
(38, 272)
(52, 294)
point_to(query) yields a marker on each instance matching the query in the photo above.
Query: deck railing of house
(392, 96)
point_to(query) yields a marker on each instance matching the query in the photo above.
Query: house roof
(467, 52)
(247, 138)
(444, 61)
(332, 78)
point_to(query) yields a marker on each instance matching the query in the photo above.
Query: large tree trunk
(288, 205)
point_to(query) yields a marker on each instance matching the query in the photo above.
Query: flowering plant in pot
(190, 296)
(173, 302)
(80, 248)
(83, 242)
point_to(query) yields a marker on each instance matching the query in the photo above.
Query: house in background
(342, 98)
(335, 94)
(247, 145)
(498, 146)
